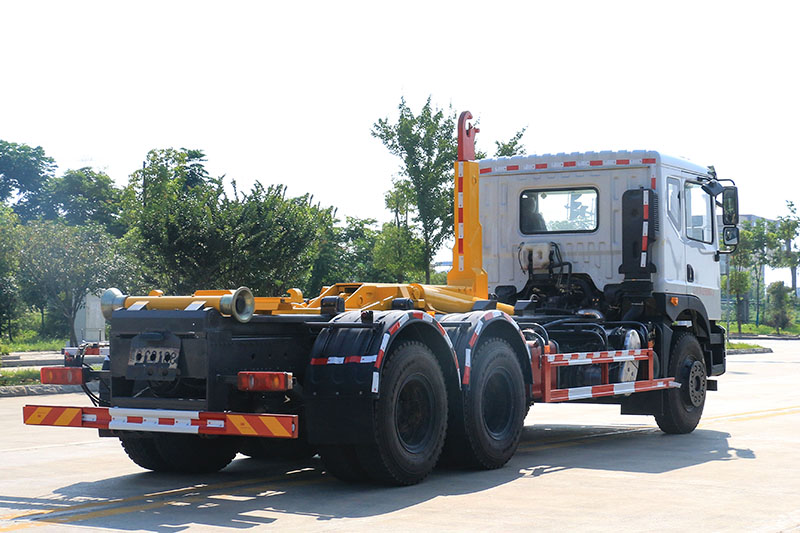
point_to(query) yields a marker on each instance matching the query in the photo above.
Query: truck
(584, 277)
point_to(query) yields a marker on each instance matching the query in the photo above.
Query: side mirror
(730, 236)
(730, 207)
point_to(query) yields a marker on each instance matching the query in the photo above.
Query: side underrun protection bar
(551, 362)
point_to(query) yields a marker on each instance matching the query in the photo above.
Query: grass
(742, 346)
(763, 329)
(27, 376)
(33, 345)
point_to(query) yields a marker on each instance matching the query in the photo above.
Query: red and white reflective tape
(612, 389)
(569, 164)
(487, 316)
(405, 317)
(318, 361)
(377, 359)
(590, 358)
(646, 218)
(91, 350)
(164, 421)
(421, 315)
(460, 216)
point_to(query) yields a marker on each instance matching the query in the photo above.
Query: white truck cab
(554, 229)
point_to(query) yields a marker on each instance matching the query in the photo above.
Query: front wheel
(683, 407)
(410, 418)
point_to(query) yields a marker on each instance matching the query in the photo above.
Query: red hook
(466, 137)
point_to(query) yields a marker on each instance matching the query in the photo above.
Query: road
(579, 467)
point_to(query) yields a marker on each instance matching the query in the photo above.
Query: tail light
(61, 375)
(264, 381)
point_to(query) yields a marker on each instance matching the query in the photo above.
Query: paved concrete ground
(580, 467)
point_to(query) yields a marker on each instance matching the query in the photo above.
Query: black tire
(269, 448)
(341, 461)
(410, 418)
(287, 449)
(142, 451)
(494, 406)
(683, 407)
(193, 454)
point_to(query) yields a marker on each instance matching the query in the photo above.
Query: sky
(288, 92)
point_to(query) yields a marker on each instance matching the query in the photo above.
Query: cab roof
(584, 160)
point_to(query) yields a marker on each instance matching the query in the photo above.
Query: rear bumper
(164, 421)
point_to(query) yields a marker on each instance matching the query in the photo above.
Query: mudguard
(343, 376)
(467, 330)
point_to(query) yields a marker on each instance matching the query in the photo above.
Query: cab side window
(674, 202)
(699, 213)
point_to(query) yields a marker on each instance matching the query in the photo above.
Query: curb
(39, 390)
(748, 336)
(748, 350)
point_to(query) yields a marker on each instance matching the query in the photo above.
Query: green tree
(760, 244)
(346, 255)
(84, 196)
(274, 240)
(400, 201)
(511, 147)
(778, 314)
(738, 282)
(24, 173)
(177, 233)
(66, 263)
(188, 236)
(740, 270)
(426, 144)
(9, 250)
(787, 229)
(400, 253)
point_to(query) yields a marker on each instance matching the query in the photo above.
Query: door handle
(689, 273)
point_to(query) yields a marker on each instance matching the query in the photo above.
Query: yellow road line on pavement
(736, 417)
(24, 525)
(113, 511)
(762, 411)
(105, 503)
(745, 416)
(579, 440)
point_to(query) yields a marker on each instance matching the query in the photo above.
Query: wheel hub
(696, 384)
(414, 414)
(497, 406)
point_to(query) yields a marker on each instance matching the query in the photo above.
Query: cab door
(674, 242)
(702, 269)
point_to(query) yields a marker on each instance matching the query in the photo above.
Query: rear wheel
(142, 451)
(270, 448)
(683, 407)
(410, 418)
(195, 454)
(341, 461)
(494, 408)
(261, 448)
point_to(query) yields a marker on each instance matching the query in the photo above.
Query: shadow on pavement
(251, 493)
